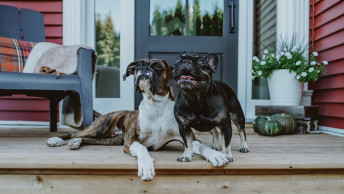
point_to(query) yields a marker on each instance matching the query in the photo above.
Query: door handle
(231, 7)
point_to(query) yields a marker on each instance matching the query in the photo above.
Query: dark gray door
(164, 28)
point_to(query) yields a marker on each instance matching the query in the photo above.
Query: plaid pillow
(13, 54)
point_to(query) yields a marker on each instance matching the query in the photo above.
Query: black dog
(204, 104)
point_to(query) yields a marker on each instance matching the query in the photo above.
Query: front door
(164, 28)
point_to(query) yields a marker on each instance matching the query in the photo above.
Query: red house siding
(327, 38)
(20, 107)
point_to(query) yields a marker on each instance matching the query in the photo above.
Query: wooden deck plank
(305, 184)
(25, 151)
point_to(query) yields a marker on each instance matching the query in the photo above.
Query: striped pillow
(13, 54)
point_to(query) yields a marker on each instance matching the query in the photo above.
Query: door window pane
(206, 17)
(264, 37)
(107, 26)
(167, 18)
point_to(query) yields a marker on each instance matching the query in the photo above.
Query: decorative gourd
(288, 123)
(257, 121)
(270, 128)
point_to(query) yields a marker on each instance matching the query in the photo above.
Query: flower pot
(284, 88)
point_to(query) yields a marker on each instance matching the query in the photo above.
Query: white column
(293, 19)
(74, 22)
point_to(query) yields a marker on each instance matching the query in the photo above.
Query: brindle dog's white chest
(157, 123)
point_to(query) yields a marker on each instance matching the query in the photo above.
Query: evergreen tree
(197, 18)
(107, 43)
(206, 26)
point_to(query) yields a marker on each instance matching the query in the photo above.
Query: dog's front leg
(186, 134)
(226, 136)
(145, 162)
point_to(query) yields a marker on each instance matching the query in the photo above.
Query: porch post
(293, 19)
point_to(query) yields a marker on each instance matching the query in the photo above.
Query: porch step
(294, 164)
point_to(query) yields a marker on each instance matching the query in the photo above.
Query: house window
(202, 18)
(107, 27)
(264, 38)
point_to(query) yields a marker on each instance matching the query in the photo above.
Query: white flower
(266, 51)
(298, 63)
(289, 56)
(313, 63)
(311, 69)
(278, 57)
(298, 77)
(325, 62)
(315, 54)
(303, 74)
(260, 72)
(253, 77)
(282, 53)
(318, 71)
(262, 62)
(294, 48)
(272, 55)
(263, 57)
(255, 59)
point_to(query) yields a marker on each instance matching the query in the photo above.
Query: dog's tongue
(186, 77)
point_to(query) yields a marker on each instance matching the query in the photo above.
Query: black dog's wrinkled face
(153, 75)
(193, 72)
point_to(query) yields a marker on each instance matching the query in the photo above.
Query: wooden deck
(283, 164)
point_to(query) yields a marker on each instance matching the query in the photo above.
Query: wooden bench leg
(53, 115)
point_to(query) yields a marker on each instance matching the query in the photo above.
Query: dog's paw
(218, 159)
(244, 148)
(55, 142)
(75, 143)
(146, 168)
(185, 157)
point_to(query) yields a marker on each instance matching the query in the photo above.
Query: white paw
(146, 168)
(218, 159)
(75, 143)
(55, 142)
(244, 148)
(185, 157)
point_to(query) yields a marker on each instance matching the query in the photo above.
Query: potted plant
(286, 70)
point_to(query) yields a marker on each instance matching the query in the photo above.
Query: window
(202, 18)
(264, 37)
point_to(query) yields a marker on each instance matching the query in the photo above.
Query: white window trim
(78, 28)
(292, 17)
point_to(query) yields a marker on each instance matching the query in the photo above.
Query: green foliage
(107, 42)
(292, 57)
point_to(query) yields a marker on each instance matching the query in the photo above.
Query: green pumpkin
(257, 121)
(288, 123)
(270, 128)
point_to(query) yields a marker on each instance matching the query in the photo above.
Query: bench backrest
(23, 24)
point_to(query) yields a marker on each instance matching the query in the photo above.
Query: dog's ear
(169, 74)
(131, 69)
(183, 53)
(213, 61)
